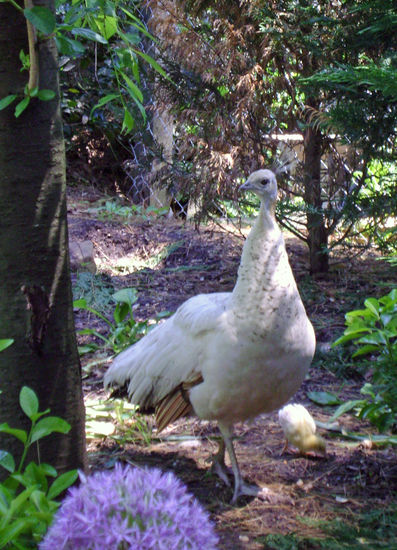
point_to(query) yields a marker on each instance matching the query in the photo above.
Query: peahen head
(263, 183)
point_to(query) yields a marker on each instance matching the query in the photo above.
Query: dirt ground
(351, 479)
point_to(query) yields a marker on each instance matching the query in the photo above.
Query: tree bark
(35, 291)
(317, 233)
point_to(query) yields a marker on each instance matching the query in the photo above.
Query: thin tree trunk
(35, 291)
(317, 234)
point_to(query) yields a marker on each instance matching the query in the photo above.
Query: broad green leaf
(323, 398)
(47, 469)
(40, 500)
(19, 434)
(7, 461)
(364, 350)
(121, 311)
(61, 483)
(107, 26)
(5, 343)
(126, 295)
(106, 99)
(6, 101)
(21, 106)
(376, 338)
(28, 401)
(20, 500)
(41, 18)
(9, 533)
(373, 305)
(68, 46)
(348, 336)
(46, 95)
(89, 35)
(346, 407)
(49, 425)
(128, 122)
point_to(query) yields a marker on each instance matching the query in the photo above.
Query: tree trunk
(35, 291)
(317, 233)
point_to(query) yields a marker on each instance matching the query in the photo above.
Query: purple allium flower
(130, 508)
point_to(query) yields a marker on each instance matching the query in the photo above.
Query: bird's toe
(221, 471)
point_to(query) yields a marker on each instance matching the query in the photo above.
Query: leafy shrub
(27, 500)
(374, 331)
(130, 508)
(123, 331)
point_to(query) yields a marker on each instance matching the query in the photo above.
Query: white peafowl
(227, 356)
(300, 429)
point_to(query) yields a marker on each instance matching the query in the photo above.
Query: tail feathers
(176, 404)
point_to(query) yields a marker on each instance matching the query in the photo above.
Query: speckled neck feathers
(264, 273)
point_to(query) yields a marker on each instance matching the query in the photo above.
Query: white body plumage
(240, 353)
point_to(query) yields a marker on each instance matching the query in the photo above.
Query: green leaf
(132, 88)
(137, 24)
(42, 18)
(106, 99)
(6, 101)
(323, 398)
(153, 63)
(46, 95)
(89, 35)
(49, 425)
(373, 305)
(48, 470)
(21, 106)
(364, 350)
(10, 532)
(126, 295)
(68, 46)
(61, 483)
(5, 343)
(107, 26)
(120, 313)
(128, 122)
(345, 407)
(19, 434)
(7, 461)
(28, 401)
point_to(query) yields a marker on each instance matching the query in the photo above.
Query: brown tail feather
(175, 404)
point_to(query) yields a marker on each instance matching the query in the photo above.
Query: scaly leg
(240, 487)
(218, 463)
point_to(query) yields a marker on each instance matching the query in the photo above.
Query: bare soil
(351, 479)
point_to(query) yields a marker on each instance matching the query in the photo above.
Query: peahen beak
(246, 186)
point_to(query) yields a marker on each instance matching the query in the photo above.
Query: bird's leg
(240, 487)
(285, 447)
(218, 463)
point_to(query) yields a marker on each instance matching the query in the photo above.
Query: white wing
(170, 354)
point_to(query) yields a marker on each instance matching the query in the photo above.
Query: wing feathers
(175, 404)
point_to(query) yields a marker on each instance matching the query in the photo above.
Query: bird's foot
(220, 469)
(263, 493)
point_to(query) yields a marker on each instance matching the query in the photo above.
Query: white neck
(264, 265)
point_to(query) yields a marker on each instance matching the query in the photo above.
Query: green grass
(370, 531)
